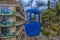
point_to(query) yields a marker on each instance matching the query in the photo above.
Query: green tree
(48, 4)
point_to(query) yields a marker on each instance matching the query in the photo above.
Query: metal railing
(10, 13)
(7, 35)
(7, 24)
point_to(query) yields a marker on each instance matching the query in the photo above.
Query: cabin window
(34, 17)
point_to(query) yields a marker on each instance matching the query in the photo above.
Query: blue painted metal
(33, 28)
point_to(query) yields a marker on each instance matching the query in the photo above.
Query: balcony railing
(19, 22)
(7, 24)
(7, 35)
(10, 13)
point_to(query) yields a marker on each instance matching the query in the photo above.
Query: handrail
(8, 24)
(7, 35)
(10, 13)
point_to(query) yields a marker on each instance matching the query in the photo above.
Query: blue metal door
(32, 28)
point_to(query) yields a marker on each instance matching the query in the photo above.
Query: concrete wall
(13, 8)
(7, 1)
(12, 29)
(9, 38)
(12, 18)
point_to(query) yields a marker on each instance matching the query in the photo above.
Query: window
(18, 9)
(17, 28)
(4, 20)
(35, 17)
(0, 18)
(5, 9)
(4, 30)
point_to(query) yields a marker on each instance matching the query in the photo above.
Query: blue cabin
(33, 27)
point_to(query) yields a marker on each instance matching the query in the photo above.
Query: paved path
(40, 37)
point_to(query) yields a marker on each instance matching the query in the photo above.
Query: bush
(45, 32)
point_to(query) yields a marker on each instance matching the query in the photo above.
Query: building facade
(11, 19)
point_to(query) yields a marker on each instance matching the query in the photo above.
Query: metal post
(34, 17)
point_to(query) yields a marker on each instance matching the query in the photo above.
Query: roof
(33, 10)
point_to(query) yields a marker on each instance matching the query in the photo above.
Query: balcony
(7, 35)
(19, 22)
(9, 13)
(7, 24)
(19, 15)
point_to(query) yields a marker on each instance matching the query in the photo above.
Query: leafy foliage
(45, 32)
(52, 17)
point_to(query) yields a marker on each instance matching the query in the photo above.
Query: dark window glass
(18, 9)
(35, 17)
(4, 30)
(4, 20)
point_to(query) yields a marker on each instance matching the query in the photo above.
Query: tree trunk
(48, 4)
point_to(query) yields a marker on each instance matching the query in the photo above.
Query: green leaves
(52, 17)
(45, 32)
(59, 6)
